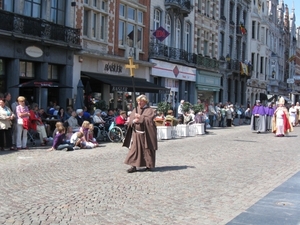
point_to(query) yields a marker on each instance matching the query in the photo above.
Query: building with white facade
(171, 49)
(234, 47)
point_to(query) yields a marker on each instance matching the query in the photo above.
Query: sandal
(131, 170)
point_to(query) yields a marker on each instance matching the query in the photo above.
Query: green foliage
(101, 104)
(197, 108)
(163, 107)
(186, 106)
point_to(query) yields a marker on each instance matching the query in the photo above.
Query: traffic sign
(290, 80)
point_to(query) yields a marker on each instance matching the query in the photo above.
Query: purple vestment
(259, 109)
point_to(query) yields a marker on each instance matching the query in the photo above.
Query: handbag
(20, 121)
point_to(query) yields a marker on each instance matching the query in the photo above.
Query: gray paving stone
(209, 179)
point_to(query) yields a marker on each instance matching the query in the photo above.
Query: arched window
(157, 19)
(177, 33)
(168, 28)
(187, 37)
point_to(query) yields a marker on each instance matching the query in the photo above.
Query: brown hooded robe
(141, 139)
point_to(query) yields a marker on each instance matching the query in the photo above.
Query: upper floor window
(206, 43)
(187, 36)
(8, 5)
(177, 33)
(157, 19)
(222, 38)
(95, 20)
(168, 28)
(199, 5)
(131, 26)
(32, 8)
(212, 45)
(253, 29)
(57, 12)
(207, 8)
(231, 11)
(222, 8)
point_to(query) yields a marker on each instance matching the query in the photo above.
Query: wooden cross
(131, 66)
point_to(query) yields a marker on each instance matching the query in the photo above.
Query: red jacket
(120, 120)
(34, 119)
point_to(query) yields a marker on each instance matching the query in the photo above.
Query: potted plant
(197, 108)
(186, 106)
(164, 132)
(163, 107)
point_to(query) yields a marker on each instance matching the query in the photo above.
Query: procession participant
(269, 115)
(258, 118)
(293, 114)
(281, 123)
(141, 137)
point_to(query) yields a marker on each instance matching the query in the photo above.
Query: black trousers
(5, 138)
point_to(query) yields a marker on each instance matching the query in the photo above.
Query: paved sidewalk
(210, 179)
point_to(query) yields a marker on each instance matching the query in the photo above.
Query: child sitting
(76, 140)
(91, 135)
(69, 134)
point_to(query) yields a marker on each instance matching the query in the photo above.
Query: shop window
(26, 69)
(52, 72)
(1, 68)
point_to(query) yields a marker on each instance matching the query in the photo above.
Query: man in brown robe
(141, 137)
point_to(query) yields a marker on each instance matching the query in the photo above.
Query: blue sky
(296, 4)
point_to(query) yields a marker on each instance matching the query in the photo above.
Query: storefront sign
(174, 71)
(34, 51)
(111, 67)
(122, 89)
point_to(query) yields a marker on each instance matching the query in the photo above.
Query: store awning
(124, 84)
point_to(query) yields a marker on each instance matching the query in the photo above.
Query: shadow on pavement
(170, 168)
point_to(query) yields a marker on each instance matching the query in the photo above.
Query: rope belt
(140, 132)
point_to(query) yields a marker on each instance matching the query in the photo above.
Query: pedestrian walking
(141, 137)
(258, 118)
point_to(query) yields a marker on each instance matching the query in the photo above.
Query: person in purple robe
(270, 109)
(258, 118)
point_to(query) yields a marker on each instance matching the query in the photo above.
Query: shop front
(110, 83)
(208, 86)
(179, 79)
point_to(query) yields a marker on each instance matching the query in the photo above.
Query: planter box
(199, 128)
(164, 132)
(182, 130)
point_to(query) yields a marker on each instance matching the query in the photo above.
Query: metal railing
(158, 50)
(37, 27)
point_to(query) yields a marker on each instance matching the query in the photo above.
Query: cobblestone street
(208, 179)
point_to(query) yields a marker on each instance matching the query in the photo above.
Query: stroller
(31, 136)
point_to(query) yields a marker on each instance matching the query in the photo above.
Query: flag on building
(292, 58)
(244, 69)
(243, 29)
